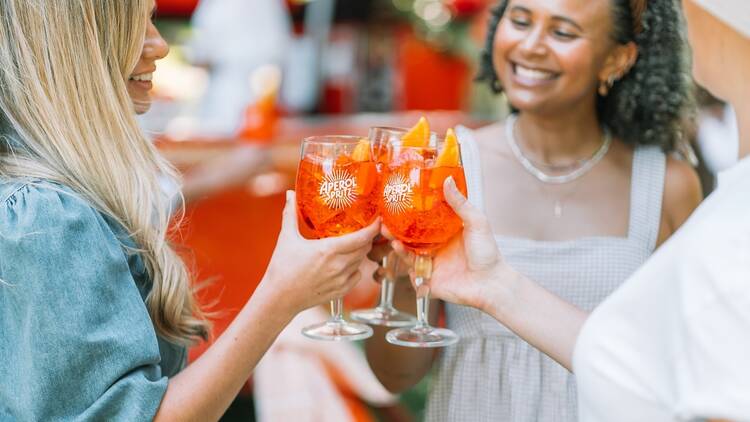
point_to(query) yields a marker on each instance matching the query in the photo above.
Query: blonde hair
(64, 66)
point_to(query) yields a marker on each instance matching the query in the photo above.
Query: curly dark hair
(648, 105)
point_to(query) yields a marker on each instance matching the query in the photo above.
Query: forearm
(537, 315)
(204, 390)
(400, 368)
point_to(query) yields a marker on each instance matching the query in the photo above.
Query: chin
(141, 107)
(525, 103)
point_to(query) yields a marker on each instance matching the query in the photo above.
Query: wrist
(501, 291)
(274, 300)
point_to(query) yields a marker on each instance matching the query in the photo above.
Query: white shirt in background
(673, 344)
(719, 140)
(234, 38)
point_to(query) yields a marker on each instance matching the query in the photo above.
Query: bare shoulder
(491, 137)
(682, 194)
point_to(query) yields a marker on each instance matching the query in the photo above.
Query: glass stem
(423, 311)
(337, 310)
(386, 287)
(423, 272)
(386, 294)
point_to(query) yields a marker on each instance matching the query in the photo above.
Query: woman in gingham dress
(576, 185)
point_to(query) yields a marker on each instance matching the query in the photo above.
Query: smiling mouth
(533, 75)
(143, 77)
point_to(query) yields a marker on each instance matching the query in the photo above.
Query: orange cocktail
(336, 195)
(384, 313)
(414, 210)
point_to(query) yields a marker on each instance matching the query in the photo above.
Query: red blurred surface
(466, 8)
(176, 7)
(229, 240)
(431, 79)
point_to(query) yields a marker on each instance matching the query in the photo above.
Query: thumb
(289, 217)
(479, 242)
(474, 220)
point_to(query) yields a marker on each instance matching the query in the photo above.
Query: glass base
(337, 331)
(422, 337)
(386, 317)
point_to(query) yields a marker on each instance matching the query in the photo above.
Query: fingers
(402, 253)
(346, 284)
(379, 252)
(337, 286)
(474, 219)
(354, 257)
(353, 279)
(386, 233)
(357, 240)
(289, 216)
(378, 275)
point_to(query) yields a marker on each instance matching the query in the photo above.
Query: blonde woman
(672, 343)
(95, 307)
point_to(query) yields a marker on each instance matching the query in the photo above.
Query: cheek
(576, 60)
(506, 39)
(580, 67)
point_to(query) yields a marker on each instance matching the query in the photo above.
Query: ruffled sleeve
(76, 340)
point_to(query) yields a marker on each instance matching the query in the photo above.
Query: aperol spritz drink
(336, 195)
(414, 210)
(384, 313)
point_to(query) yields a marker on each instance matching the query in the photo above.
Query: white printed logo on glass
(338, 189)
(397, 194)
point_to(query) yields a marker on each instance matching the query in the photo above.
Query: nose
(533, 44)
(155, 47)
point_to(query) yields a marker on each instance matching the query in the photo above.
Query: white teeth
(525, 72)
(144, 77)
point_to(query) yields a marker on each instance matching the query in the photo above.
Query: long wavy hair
(67, 117)
(648, 105)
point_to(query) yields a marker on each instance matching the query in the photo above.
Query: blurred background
(244, 83)
(325, 57)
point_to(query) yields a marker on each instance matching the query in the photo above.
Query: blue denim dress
(76, 340)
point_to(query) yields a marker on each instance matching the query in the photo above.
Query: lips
(532, 76)
(143, 77)
(142, 80)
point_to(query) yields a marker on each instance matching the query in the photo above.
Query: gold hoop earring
(605, 86)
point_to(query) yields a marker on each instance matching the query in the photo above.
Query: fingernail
(450, 184)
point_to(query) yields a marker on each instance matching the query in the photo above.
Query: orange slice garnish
(418, 136)
(449, 156)
(362, 151)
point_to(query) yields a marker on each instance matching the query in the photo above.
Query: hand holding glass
(336, 195)
(415, 211)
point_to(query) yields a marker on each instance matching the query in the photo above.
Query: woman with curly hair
(671, 344)
(576, 185)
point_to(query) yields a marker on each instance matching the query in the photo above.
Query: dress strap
(472, 166)
(646, 192)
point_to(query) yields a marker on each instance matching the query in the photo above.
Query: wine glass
(384, 313)
(336, 195)
(415, 211)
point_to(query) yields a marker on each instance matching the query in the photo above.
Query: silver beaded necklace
(585, 165)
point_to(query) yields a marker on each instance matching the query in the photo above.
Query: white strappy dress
(493, 375)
